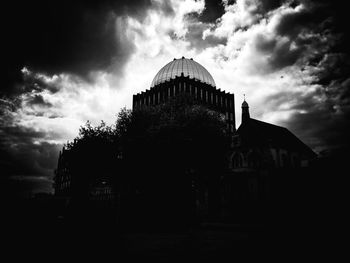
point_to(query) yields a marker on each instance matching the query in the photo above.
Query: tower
(186, 76)
(245, 111)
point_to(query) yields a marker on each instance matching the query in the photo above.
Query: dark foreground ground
(311, 229)
(48, 239)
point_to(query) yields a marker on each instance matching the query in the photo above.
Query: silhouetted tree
(92, 158)
(157, 158)
(171, 152)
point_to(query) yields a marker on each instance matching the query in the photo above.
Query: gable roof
(258, 133)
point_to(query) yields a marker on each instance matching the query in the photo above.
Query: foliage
(165, 150)
(89, 134)
(163, 145)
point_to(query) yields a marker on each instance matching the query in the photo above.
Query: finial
(244, 97)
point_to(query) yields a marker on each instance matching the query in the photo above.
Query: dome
(188, 67)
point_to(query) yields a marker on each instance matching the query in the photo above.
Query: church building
(259, 144)
(266, 162)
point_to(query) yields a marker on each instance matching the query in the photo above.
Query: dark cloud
(39, 100)
(305, 36)
(26, 150)
(292, 24)
(319, 17)
(268, 5)
(163, 6)
(333, 66)
(265, 44)
(67, 36)
(195, 36)
(24, 186)
(24, 156)
(284, 55)
(213, 10)
(321, 42)
(279, 53)
(320, 118)
(13, 136)
(27, 83)
(321, 128)
(55, 116)
(332, 69)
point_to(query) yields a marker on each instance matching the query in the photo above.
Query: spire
(245, 111)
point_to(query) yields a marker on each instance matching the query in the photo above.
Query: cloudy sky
(66, 63)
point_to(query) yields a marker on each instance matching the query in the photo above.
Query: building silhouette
(186, 76)
(259, 144)
(266, 162)
(259, 152)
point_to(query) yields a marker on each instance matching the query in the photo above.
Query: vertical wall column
(210, 96)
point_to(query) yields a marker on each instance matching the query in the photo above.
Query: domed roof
(188, 67)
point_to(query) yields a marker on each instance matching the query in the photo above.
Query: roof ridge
(270, 124)
(274, 130)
